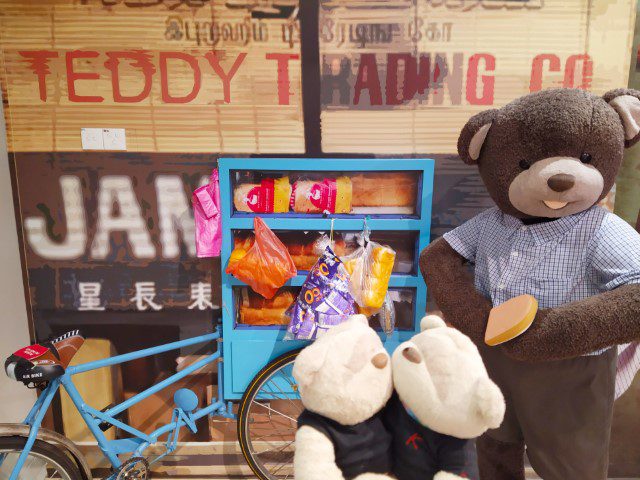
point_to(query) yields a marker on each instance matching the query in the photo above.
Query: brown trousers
(561, 410)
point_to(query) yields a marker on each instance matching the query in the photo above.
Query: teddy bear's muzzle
(380, 360)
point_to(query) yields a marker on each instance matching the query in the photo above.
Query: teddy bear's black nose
(561, 182)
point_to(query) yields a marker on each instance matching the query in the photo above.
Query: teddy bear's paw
(376, 476)
(447, 476)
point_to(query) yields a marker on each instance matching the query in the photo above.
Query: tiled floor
(207, 461)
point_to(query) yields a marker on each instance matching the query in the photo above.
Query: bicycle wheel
(267, 419)
(44, 462)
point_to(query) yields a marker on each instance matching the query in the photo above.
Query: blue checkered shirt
(557, 262)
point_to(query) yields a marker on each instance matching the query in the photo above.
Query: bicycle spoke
(287, 397)
(271, 423)
(277, 451)
(274, 410)
(267, 436)
(36, 466)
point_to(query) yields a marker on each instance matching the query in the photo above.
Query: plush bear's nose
(379, 360)
(561, 182)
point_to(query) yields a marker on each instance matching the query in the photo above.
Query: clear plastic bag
(267, 264)
(369, 268)
(387, 315)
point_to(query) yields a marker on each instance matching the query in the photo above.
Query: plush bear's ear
(473, 135)
(308, 363)
(431, 321)
(626, 103)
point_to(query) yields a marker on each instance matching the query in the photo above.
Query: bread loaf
(256, 310)
(394, 189)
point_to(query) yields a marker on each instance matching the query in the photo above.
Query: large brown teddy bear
(546, 160)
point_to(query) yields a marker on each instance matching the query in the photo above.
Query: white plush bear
(444, 397)
(344, 380)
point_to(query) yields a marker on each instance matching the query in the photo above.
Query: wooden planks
(507, 36)
(260, 112)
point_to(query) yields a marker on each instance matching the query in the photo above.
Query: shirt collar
(545, 232)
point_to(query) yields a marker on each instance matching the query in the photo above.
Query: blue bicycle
(266, 415)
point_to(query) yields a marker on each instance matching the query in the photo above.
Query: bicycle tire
(45, 450)
(245, 402)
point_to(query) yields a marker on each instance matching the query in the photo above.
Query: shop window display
(108, 234)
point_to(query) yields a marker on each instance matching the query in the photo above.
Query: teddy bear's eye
(524, 164)
(585, 158)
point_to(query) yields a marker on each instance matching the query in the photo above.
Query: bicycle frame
(139, 441)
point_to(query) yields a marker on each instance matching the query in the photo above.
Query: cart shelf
(248, 347)
(397, 280)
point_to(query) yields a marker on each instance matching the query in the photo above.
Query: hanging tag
(331, 233)
(365, 232)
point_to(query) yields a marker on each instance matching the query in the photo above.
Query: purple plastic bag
(206, 212)
(324, 300)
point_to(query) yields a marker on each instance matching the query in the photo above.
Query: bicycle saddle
(42, 362)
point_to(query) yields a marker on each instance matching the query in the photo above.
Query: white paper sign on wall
(114, 139)
(92, 139)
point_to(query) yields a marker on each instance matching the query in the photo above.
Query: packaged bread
(256, 310)
(370, 270)
(306, 255)
(391, 189)
(327, 195)
(303, 254)
(269, 196)
(266, 266)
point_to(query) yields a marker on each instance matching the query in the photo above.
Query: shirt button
(514, 254)
(502, 286)
(523, 228)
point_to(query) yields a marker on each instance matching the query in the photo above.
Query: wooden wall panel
(511, 33)
(262, 113)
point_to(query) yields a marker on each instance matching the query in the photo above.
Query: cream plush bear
(444, 397)
(344, 380)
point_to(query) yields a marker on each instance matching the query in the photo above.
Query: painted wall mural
(108, 236)
(180, 77)
(426, 66)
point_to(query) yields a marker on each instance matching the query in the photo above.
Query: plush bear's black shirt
(418, 452)
(361, 448)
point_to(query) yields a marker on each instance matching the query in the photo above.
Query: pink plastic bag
(206, 212)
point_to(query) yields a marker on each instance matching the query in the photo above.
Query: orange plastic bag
(267, 264)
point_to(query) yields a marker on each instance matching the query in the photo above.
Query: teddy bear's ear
(473, 135)
(431, 321)
(626, 103)
(308, 363)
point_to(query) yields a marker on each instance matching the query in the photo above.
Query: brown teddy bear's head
(552, 153)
